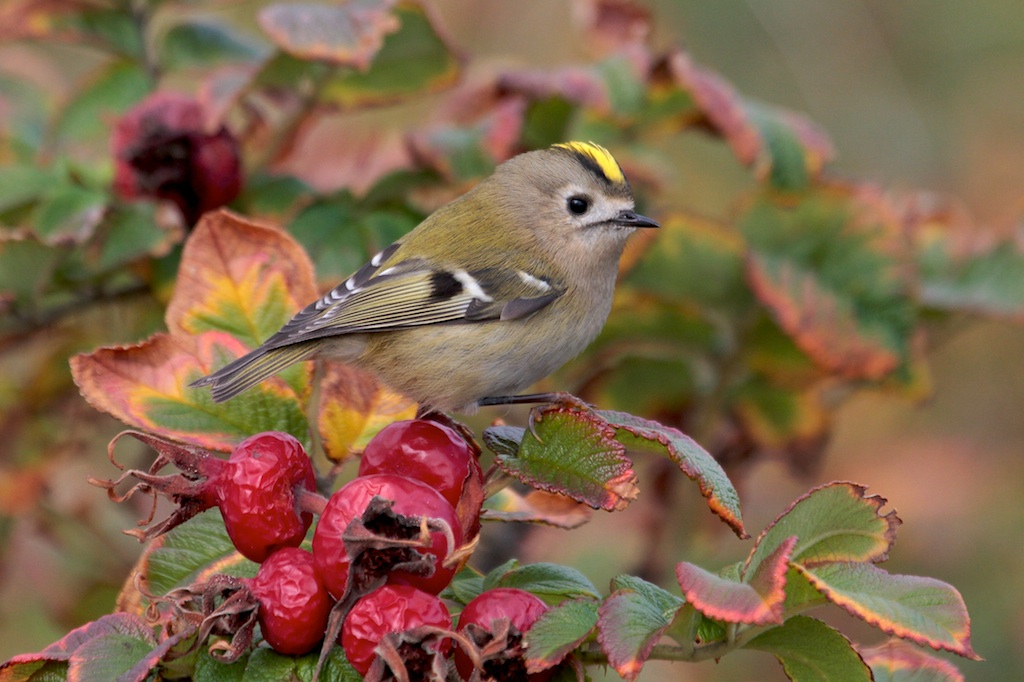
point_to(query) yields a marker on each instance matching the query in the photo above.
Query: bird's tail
(252, 368)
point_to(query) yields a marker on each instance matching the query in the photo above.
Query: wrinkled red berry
(423, 450)
(393, 608)
(165, 148)
(411, 498)
(294, 603)
(519, 607)
(256, 494)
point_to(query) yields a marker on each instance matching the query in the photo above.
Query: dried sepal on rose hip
(401, 629)
(436, 454)
(192, 490)
(293, 601)
(258, 494)
(406, 537)
(495, 622)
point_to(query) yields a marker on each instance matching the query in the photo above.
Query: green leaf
(266, 665)
(987, 280)
(626, 89)
(577, 456)
(336, 668)
(646, 435)
(632, 620)
(329, 232)
(274, 195)
(106, 657)
(115, 27)
(551, 582)
(68, 214)
(827, 276)
(465, 587)
(195, 547)
(23, 184)
(202, 42)
(924, 610)
(414, 61)
(811, 651)
(558, 631)
(697, 262)
(835, 522)
(24, 122)
(132, 231)
(210, 669)
(114, 89)
(26, 267)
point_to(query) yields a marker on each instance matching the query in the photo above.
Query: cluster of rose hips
(386, 544)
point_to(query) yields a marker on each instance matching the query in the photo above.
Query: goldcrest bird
(489, 294)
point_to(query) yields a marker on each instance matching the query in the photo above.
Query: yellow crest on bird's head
(600, 159)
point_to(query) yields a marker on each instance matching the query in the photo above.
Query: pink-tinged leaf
(632, 620)
(238, 282)
(924, 610)
(829, 267)
(614, 26)
(27, 667)
(577, 456)
(811, 651)
(106, 657)
(354, 406)
(240, 277)
(898, 661)
(32, 668)
(646, 435)
(558, 631)
(536, 506)
(759, 601)
(350, 34)
(784, 147)
(823, 322)
(835, 522)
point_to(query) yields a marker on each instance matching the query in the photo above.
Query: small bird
(490, 293)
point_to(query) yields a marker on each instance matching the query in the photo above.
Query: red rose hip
(395, 609)
(426, 451)
(522, 609)
(257, 497)
(294, 603)
(411, 498)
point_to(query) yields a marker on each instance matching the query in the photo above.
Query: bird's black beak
(634, 219)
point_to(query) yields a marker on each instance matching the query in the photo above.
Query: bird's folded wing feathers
(413, 293)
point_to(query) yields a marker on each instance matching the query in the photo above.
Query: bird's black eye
(578, 205)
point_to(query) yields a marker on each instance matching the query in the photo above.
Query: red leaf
(758, 602)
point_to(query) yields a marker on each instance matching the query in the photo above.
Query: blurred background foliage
(715, 329)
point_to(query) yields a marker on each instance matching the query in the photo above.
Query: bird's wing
(386, 296)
